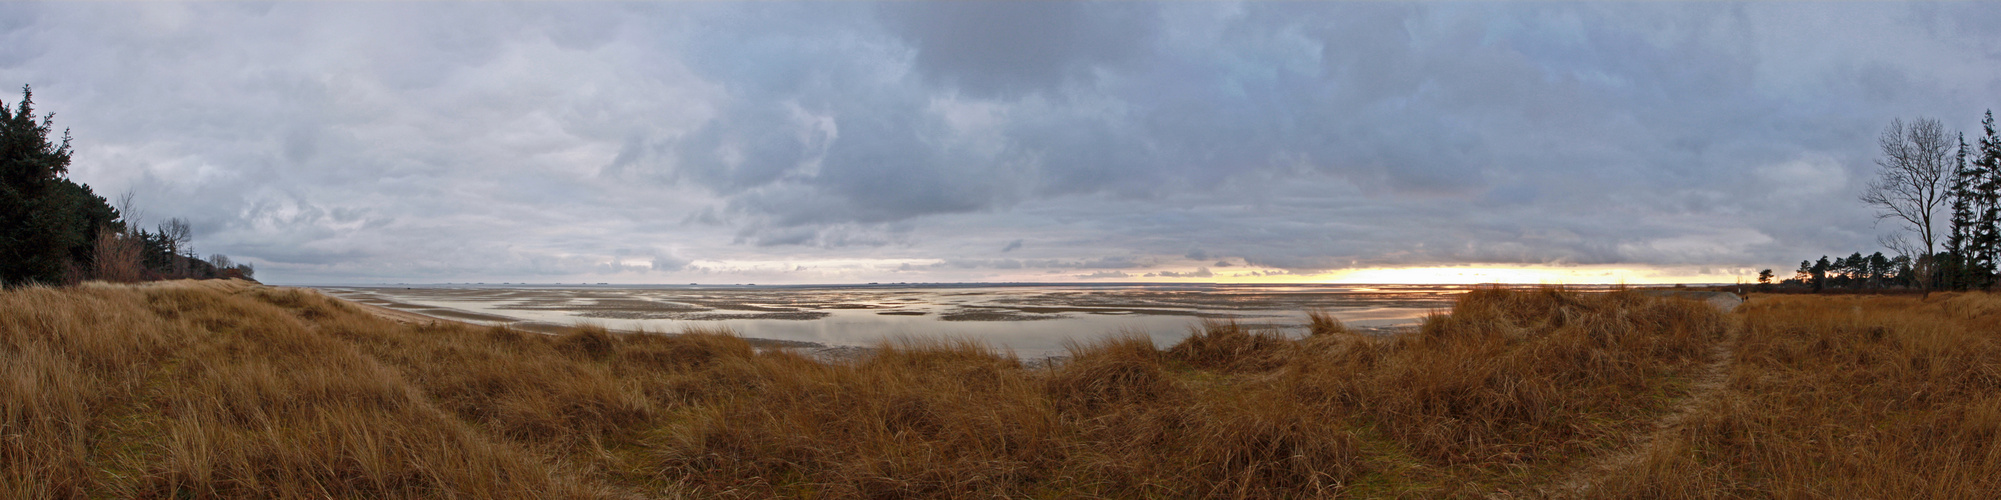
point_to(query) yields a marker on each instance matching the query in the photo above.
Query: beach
(1033, 320)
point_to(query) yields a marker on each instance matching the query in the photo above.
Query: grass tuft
(231, 389)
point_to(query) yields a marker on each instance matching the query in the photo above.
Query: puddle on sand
(1032, 320)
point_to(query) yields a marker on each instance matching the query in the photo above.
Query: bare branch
(1912, 186)
(178, 234)
(129, 210)
(1898, 245)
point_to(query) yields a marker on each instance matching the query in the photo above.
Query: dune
(221, 389)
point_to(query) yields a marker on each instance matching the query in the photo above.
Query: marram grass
(231, 389)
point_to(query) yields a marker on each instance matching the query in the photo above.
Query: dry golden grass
(208, 390)
(1843, 397)
(230, 389)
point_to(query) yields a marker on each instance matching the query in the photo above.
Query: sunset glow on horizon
(1527, 275)
(859, 271)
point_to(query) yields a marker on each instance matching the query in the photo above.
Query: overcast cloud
(847, 142)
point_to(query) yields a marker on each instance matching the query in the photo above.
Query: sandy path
(1709, 384)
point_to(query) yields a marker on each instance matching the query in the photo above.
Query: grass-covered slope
(230, 389)
(1843, 397)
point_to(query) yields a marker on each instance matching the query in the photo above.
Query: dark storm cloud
(1007, 49)
(1546, 105)
(370, 141)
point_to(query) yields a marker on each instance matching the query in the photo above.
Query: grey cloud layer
(371, 141)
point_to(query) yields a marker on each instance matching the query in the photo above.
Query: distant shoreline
(414, 317)
(998, 284)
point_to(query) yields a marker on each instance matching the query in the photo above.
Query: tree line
(1925, 172)
(1971, 243)
(55, 231)
(1875, 271)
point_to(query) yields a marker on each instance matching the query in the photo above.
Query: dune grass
(231, 389)
(1843, 397)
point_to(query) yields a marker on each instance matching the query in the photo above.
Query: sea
(1028, 319)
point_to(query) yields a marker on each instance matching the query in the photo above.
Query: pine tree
(1819, 271)
(1953, 263)
(32, 247)
(1906, 272)
(48, 224)
(1985, 194)
(1853, 268)
(1879, 269)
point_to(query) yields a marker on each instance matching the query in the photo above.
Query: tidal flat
(1033, 320)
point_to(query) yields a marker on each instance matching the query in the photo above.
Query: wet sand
(1032, 320)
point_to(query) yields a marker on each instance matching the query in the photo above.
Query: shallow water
(1031, 320)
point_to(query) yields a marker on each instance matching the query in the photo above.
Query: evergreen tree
(1879, 269)
(1985, 194)
(1906, 272)
(44, 217)
(86, 214)
(1836, 271)
(1954, 270)
(1853, 269)
(50, 226)
(1819, 272)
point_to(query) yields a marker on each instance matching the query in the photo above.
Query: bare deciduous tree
(178, 234)
(129, 210)
(1917, 170)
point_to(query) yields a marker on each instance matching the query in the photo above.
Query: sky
(851, 142)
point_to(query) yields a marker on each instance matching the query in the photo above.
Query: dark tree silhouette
(55, 231)
(1953, 263)
(1879, 269)
(1819, 273)
(48, 225)
(1984, 191)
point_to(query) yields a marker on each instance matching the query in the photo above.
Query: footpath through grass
(230, 389)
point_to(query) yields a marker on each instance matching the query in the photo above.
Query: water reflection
(1033, 320)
